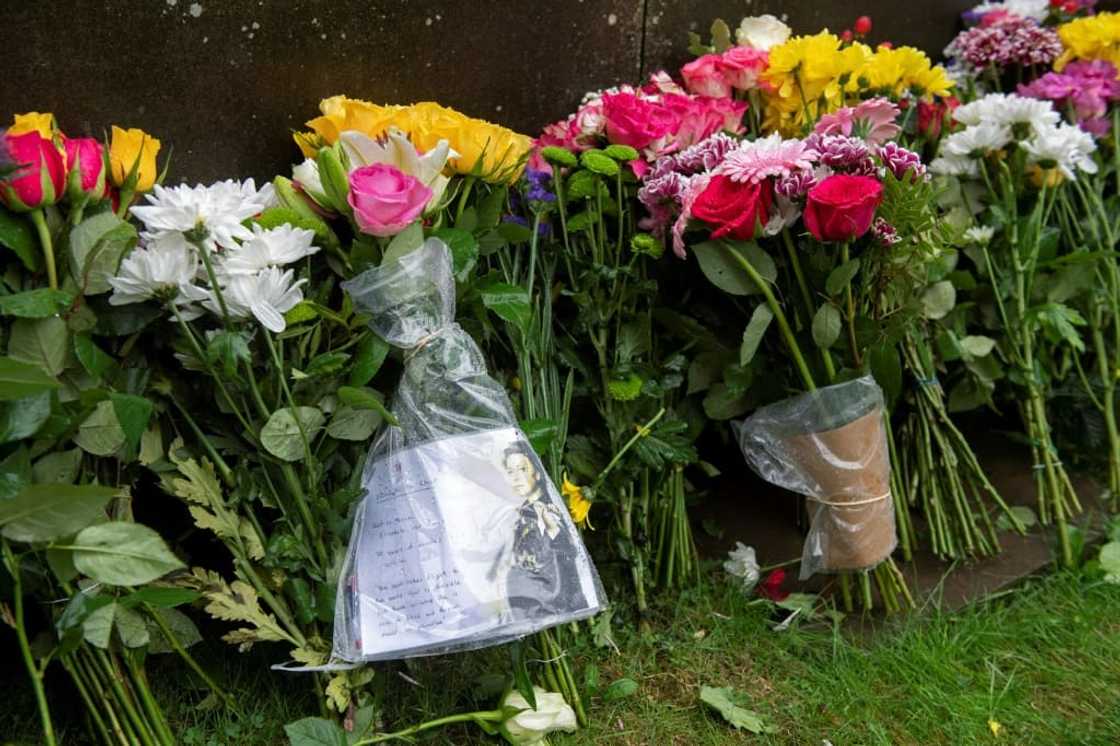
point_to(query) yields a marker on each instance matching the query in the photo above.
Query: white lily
(398, 151)
(266, 296)
(278, 246)
(307, 174)
(528, 727)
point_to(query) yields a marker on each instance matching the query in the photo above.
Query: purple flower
(884, 232)
(843, 154)
(538, 183)
(1086, 87)
(795, 184)
(900, 161)
(1010, 40)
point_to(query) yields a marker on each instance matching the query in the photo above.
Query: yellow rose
(126, 149)
(33, 122)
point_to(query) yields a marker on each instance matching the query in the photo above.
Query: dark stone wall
(225, 81)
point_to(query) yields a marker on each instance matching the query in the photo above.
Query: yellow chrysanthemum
(33, 122)
(901, 71)
(1090, 38)
(578, 505)
(482, 147)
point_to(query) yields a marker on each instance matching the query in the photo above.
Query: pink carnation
(1006, 41)
(1088, 87)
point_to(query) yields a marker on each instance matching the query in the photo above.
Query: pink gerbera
(873, 120)
(767, 157)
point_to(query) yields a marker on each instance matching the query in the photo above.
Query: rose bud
(40, 175)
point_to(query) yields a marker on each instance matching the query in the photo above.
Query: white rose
(761, 32)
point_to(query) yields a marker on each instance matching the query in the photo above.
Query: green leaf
(228, 350)
(841, 277)
(326, 364)
(721, 36)
(42, 342)
(491, 207)
(365, 398)
(45, 512)
(17, 235)
(123, 554)
(464, 250)
(164, 597)
(705, 369)
(281, 437)
(722, 263)
(19, 379)
(35, 304)
(181, 626)
(1059, 323)
(131, 627)
(349, 423)
(510, 302)
(938, 300)
(620, 689)
(21, 418)
(726, 701)
(370, 356)
(92, 358)
(315, 732)
(752, 335)
(723, 402)
(15, 473)
(540, 432)
(886, 367)
(101, 433)
(826, 325)
(97, 627)
(97, 246)
(977, 346)
(1110, 561)
(305, 310)
(133, 413)
(405, 242)
(1025, 515)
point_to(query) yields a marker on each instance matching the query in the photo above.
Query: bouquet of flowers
(78, 428)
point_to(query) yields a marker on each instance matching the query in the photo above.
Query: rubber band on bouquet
(851, 503)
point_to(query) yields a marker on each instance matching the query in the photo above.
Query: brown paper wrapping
(851, 463)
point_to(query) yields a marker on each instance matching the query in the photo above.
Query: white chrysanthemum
(975, 141)
(954, 165)
(266, 296)
(981, 235)
(269, 248)
(218, 210)
(761, 32)
(162, 270)
(1008, 109)
(1067, 147)
(742, 563)
(1036, 9)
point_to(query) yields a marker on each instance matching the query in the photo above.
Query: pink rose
(636, 121)
(842, 207)
(42, 175)
(701, 118)
(386, 200)
(742, 66)
(588, 124)
(85, 164)
(704, 77)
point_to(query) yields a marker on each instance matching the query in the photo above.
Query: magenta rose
(385, 199)
(85, 165)
(842, 207)
(636, 121)
(741, 67)
(734, 208)
(41, 176)
(704, 77)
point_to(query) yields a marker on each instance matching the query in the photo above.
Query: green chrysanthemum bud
(622, 153)
(599, 162)
(625, 387)
(559, 156)
(582, 185)
(644, 243)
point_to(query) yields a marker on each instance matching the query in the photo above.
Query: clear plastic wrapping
(831, 446)
(461, 540)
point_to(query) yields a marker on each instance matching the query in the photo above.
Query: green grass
(1042, 660)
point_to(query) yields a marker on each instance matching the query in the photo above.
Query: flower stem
(177, 646)
(857, 359)
(780, 317)
(48, 246)
(490, 716)
(213, 277)
(643, 431)
(33, 671)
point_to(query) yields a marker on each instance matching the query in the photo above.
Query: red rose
(842, 207)
(733, 208)
(41, 176)
(771, 586)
